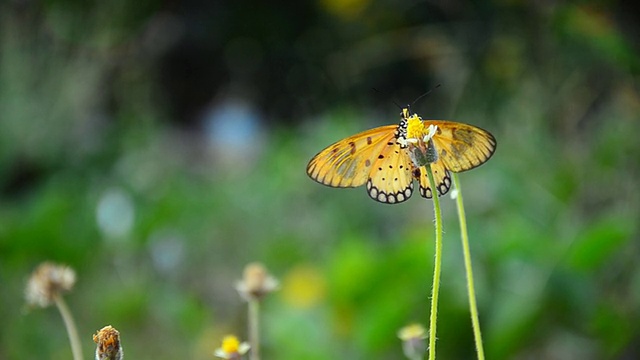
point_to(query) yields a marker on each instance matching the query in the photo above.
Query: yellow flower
(231, 348)
(345, 9)
(303, 287)
(412, 331)
(413, 344)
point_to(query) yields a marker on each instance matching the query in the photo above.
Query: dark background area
(159, 146)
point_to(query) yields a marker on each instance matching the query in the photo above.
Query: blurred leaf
(599, 241)
(593, 27)
(614, 327)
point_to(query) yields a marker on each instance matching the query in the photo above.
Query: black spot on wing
(353, 147)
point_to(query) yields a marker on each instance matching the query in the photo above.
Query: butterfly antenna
(380, 92)
(425, 94)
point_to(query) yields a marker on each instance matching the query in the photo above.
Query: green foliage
(102, 114)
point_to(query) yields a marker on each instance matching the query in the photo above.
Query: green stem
(467, 264)
(254, 329)
(71, 327)
(437, 266)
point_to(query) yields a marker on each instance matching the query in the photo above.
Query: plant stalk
(437, 265)
(254, 328)
(72, 331)
(475, 323)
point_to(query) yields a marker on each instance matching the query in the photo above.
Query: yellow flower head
(230, 344)
(304, 286)
(231, 348)
(413, 344)
(415, 127)
(413, 331)
(417, 130)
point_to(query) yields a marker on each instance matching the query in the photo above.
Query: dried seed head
(47, 282)
(256, 282)
(109, 347)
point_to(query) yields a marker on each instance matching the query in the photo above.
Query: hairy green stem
(467, 264)
(71, 327)
(437, 266)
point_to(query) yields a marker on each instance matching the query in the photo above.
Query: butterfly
(388, 158)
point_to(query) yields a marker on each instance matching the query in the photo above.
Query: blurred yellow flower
(231, 348)
(412, 331)
(346, 9)
(304, 286)
(413, 344)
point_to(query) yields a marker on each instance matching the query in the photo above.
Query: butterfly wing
(348, 162)
(390, 180)
(370, 157)
(441, 177)
(460, 146)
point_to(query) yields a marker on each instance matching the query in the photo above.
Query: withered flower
(109, 347)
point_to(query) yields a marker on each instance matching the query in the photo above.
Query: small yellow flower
(47, 282)
(418, 142)
(108, 340)
(413, 344)
(256, 282)
(231, 348)
(304, 286)
(415, 127)
(345, 9)
(412, 331)
(417, 130)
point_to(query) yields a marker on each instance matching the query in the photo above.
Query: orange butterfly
(388, 158)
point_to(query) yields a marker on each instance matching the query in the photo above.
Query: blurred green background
(157, 147)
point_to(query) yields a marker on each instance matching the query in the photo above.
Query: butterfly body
(388, 158)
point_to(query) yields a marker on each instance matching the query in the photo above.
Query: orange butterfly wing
(391, 180)
(372, 157)
(441, 177)
(460, 146)
(348, 162)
